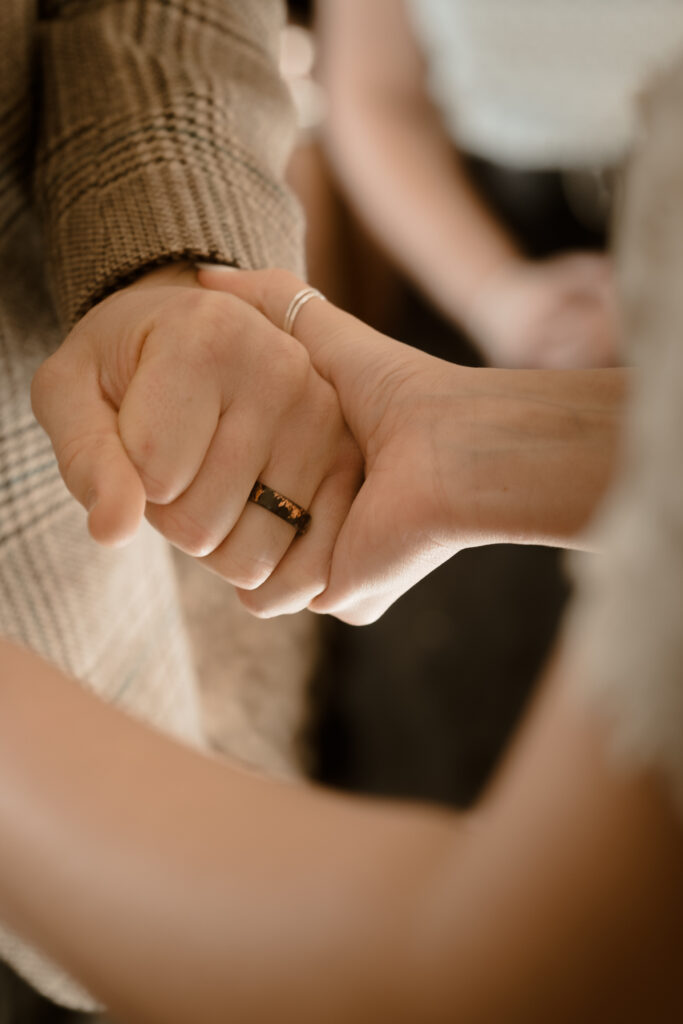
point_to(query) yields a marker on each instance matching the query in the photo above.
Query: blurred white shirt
(545, 83)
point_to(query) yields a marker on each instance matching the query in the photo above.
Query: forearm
(536, 454)
(390, 158)
(567, 904)
(395, 161)
(181, 889)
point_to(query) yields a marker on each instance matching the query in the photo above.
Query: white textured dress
(626, 623)
(544, 84)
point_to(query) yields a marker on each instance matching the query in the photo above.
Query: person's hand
(557, 313)
(454, 456)
(398, 403)
(171, 401)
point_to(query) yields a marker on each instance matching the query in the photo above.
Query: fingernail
(222, 267)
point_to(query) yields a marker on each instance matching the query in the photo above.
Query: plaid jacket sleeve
(164, 134)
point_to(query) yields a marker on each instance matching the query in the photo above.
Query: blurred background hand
(557, 313)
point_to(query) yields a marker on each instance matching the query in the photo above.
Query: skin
(390, 151)
(178, 888)
(188, 394)
(454, 457)
(186, 398)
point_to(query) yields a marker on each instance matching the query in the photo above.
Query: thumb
(381, 552)
(83, 429)
(351, 356)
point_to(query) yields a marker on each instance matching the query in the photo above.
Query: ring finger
(302, 455)
(303, 572)
(259, 538)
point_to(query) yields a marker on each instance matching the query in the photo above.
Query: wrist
(536, 456)
(179, 273)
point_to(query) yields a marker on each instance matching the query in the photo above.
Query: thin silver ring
(297, 304)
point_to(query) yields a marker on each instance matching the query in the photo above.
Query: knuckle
(289, 366)
(217, 308)
(312, 583)
(199, 545)
(147, 454)
(97, 446)
(195, 305)
(247, 573)
(215, 319)
(162, 492)
(353, 613)
(290, 594)
(184, 531)
(255, 604)
(142, 451)
(322, 605)
(190, 302)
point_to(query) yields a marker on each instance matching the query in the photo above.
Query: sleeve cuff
(159, 213)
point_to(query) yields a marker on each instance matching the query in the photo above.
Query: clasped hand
(170, 401)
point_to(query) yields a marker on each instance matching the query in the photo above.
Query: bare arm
(390, 150)
(178, 888)
(404, 175)
(454, 457)
(568, 904)
(182, 889)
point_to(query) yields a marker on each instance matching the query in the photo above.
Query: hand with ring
(189, 407)
(386, 543)
(454, 456)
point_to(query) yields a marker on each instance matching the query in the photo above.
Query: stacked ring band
(297, 304)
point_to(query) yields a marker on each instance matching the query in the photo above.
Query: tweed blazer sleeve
(164, 132)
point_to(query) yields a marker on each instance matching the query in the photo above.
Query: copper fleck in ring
(297, 304)
(280, 506)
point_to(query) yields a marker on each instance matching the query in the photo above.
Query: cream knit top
(626, 624)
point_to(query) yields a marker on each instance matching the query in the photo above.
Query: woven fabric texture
(132, 132)
(626, 625)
